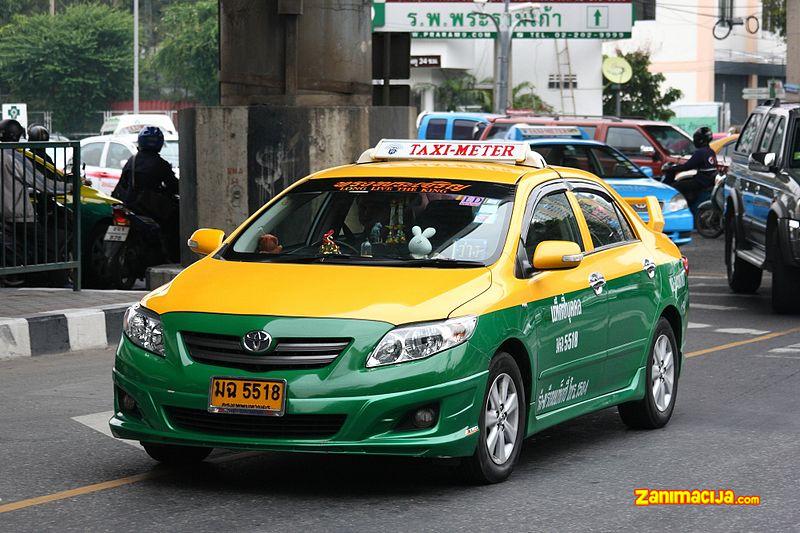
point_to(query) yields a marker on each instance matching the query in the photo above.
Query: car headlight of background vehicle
(409, 343)
(676, 203)
(143, 327)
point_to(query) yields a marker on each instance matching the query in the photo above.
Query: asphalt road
(736, 426)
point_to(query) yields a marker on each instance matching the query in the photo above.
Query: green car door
(628, 268)
(568, 336)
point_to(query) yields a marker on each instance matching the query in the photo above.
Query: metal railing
(40, 209)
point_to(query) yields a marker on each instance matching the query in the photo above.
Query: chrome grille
(286, 353)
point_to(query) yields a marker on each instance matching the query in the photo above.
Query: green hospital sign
(459, 19)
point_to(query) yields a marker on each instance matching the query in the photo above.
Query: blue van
(459, 126)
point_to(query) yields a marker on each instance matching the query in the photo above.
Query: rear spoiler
(655, 218)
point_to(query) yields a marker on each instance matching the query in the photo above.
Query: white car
(104, 156)
(128, 124)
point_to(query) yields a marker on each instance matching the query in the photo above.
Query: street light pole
(502, 45)
(135, 56)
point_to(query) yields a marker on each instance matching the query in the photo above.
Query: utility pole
(502, 45)
(52, 7)
(135, 56)
(793, 41)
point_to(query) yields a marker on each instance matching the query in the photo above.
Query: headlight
(676, 203)
(143, 327)
(410, 343)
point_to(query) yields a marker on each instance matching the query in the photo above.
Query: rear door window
(463, 129)
(606, 223)
(629, 141)
(118, 155)
(745, 143)
(90, 154)
(777, 138)
(766, 136)
(437, 128)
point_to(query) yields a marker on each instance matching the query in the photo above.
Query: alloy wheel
(501, 419)
(662, 376)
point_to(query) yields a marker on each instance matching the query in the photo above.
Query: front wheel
(743, 278)
(655, 409)
(176, 455)
(502, 423)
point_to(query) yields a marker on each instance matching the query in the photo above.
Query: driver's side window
(552, 220)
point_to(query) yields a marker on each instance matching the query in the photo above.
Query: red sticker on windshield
(400, 186)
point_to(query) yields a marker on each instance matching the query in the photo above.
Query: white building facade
(706, 69)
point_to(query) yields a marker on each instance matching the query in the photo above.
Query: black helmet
(150, 139)
(37, 132)
(11, 131)
(702, 137)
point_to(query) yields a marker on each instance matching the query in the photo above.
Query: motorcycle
(133, 243)
(708, 219)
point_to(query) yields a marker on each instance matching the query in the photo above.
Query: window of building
(562, 81)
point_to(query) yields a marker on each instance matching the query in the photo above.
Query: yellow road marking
(105, 485)
(741, 343)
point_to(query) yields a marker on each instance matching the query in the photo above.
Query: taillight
(685, 261)
(120, 216)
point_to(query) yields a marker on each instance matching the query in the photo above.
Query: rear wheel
(785, 280)
(94, 259)
(655, 409)
(742, 276)
(708, 221)
(176, 455)
(502, 423)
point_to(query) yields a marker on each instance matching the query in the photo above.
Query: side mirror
(762, 162)
(647, 171)
(205, 240)
(556, 255)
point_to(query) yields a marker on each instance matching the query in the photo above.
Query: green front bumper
(374, 402)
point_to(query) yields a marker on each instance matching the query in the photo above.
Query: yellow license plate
(247, 396)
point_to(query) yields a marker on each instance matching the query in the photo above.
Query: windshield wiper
(444, 263)
(289, 258)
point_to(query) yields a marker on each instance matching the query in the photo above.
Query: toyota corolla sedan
(436, 299)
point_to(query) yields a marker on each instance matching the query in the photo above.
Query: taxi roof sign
(527, 131)
(510, 152)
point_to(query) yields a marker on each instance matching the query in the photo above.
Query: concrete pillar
(793, 41)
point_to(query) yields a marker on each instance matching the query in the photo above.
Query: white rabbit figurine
(419, 245)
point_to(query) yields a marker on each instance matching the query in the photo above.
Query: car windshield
(170, 153)
(673, 140)
(382, 222)
(601, 160)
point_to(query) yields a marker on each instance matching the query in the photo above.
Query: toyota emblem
(257, 341)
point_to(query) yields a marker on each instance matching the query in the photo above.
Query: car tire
(743, 277)
(785, 280)
(655, 409)
(172, 454)
(494, 457)
(708, 221)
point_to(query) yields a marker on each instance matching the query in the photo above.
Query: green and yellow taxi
(436, 298)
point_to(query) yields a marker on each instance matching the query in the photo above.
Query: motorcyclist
(148, 186)
(703, 161)
(38, 133)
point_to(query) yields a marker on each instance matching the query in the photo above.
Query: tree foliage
(464, 93)
(187, 58)
(73, 64)
(773, 14)
(643, 95)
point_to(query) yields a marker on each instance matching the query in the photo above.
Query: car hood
(639, 187)
(396, 295)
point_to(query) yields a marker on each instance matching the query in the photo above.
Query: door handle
(650, 267)
(597, 282)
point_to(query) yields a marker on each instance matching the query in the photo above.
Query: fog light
(127, 403)
(424, 417)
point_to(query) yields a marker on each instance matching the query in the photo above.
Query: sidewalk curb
(66, 331)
